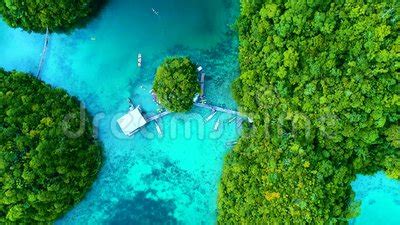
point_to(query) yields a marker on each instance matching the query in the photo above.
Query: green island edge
(320, 80)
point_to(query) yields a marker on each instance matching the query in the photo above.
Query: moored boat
(139, 61)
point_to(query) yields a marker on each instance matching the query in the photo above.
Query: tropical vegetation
(56, 15)
(48, 156)
(320, 80)
(176, 84)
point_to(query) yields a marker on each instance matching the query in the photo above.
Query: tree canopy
(320, 80)
(57, 15)
(44, 169)
(176, 84)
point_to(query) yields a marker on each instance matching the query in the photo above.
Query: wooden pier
(158, 116)
(43, 56)
(217, 108)
(213, 108)
(202, 84)
(130, 129)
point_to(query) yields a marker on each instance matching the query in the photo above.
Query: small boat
(216, 125)
(196, 98)
(239, 123)
(139, 60)
(231, 143)
(210, 116)
(232, 119)
(155, 11)
(159, 131)
(131, 106)
(250, 120)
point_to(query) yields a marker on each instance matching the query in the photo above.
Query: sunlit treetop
(48, 156)
(320, 79)
(56, 15)
(176, 84)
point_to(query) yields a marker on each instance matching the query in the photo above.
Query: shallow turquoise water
(380, 198)
(147, 179)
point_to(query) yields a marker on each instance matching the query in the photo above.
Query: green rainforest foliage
(57, 15)
(320, 79)
(44, 168)
(176, 84)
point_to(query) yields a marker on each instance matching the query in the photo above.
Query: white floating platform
(132, 122)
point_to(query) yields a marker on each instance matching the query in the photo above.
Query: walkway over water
(158, 116)
(217, 108)
(202, 84)
(43, 56)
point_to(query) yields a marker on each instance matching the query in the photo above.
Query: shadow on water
(96, 9)
(142, 211)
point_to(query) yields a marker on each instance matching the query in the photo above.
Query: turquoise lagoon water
(380, 200)
(145, 179)
(149, 179)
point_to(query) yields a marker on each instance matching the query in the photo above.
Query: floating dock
(132, 122)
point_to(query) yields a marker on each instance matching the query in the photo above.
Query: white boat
(210, 116)
(159, 131)
(239, 123)
(231, 143)
(155, 11)
(232, 119)
(216, 125)
(196, 98)
(139, 60)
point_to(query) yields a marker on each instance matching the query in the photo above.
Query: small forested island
(176, 84)
(55, 15)
(320, 79)
(48, 157)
